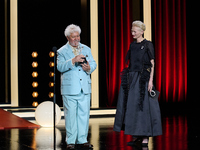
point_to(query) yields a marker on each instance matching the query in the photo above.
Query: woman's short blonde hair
(139, 24)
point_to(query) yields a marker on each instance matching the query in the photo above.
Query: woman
(138, 113)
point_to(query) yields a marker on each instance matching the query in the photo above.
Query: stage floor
(181, 131)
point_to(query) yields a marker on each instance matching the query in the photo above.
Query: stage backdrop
(170, 49)
(115, 18)
(169, 38)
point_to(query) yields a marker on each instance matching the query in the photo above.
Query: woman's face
(136, 32)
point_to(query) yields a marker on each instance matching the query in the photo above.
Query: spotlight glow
(51, 54)
(51, 64)
(35, 84)
(51, 74)
(51, 94)
(34, 74)
(34, 54)
(34, 64)
(35, 94)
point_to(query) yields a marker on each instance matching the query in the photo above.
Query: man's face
(74, 39)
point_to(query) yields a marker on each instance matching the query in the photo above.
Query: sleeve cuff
(88, 72)
(72, 63)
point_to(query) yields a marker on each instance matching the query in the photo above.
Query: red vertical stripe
(166, 49)
(170, 49)
(174, 51)
(110, 56)
(129, 25)
(122, 37)
(158, 46)
(114, 55)
(117, 18)
(180, 63)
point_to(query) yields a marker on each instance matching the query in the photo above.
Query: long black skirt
(130, 118)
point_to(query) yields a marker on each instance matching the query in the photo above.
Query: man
(76, 63)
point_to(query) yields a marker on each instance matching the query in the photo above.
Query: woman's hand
(150, 85)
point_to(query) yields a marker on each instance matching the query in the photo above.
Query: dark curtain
(117, 19)
(170, 49)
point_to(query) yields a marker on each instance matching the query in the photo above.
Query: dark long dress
(129, 116)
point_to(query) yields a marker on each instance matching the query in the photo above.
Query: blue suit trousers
(76, 112)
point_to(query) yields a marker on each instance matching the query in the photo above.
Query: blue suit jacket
(73, 77)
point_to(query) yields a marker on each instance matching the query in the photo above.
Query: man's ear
(67, 38)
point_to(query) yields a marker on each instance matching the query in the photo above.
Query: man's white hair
(71, 29)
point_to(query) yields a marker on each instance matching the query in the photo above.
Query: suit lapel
(83, 49)
(69, 50)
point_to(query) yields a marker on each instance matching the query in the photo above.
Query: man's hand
(86, 67)
(78, 58)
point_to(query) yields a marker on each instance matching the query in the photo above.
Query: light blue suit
(75, 90)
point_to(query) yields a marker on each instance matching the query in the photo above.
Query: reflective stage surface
(180, 132)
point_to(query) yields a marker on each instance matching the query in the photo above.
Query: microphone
(54, 49)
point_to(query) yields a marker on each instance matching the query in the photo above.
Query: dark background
(41, 25)
(192, 54)
(4, 55)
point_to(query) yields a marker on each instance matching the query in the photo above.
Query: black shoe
(135, 142)
(87, 145)
(144, 144)
(70, 146)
